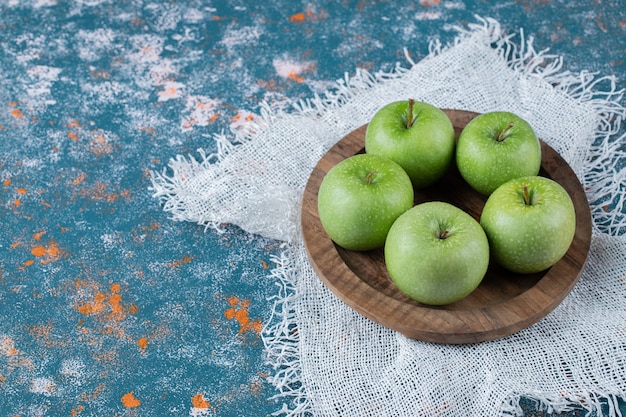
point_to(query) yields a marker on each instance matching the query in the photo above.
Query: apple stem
(444, 233)
(370, 176)
(526, 195)
(501, 136)
(409, 120)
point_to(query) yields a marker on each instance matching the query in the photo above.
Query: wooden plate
(503, 304)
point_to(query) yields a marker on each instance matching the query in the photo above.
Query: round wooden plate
(503, 304)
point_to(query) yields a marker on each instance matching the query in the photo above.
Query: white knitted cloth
(331, 361)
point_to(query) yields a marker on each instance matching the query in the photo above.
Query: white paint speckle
(73, 368)
(193, 16)
(43, 386)
(454, 5)
(199, 111)
(90, 3)
(289, 68)
(428, 15)
(146, 49)
(171, 90)
(93, 44)
(247, 35)
(200, 412)
(44, 3)
(41, 79)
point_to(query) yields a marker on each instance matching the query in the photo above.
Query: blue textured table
(109, 308)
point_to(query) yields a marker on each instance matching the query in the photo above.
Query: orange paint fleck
(198, 401)
(87, 309)
(14, 357)
(15, 245)
(143, 343)
(189, 123)
(49, 253)
(183, 261)
(73, 123)
(294, 76)
(17, 113)
(7, 347)
(101, 146)
(242, 318)
(256, 326)
(429, 2)
(115, 304)
(239, 312)
(99, 74)
(76, 410)
(107, 305)
(230, 313)
(44, 333)
(53, 250)
(21, 191)
(265, 265)
(256, 387)
(28, 263)
(130, 401)
(298, 17)
(38, 251)
(80, 179)
(6, 183)
(17, 202)
(39, 235)
(72, 135)
(93, 307)
(233, 301)
(98, 192)
(101, 388)
(237, 118)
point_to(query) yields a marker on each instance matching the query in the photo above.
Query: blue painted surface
(109, 308)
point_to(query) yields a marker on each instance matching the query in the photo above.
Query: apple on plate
(416, 135)
(530, 223)
(496, 147)
(360, 198)
(436, 253)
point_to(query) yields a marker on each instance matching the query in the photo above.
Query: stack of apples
(435, 252)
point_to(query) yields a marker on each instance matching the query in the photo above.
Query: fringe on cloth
(604, 181)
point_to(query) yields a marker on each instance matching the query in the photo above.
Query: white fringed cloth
(331, 361)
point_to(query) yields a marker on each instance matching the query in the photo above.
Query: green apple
(530, 223)
(436, 253)
(496, 147)
(360, 198)
(416, 135)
